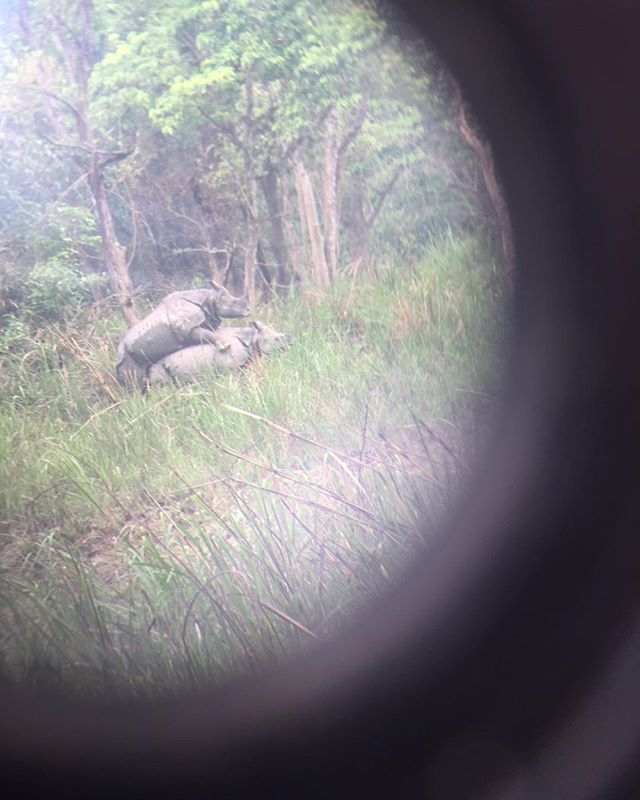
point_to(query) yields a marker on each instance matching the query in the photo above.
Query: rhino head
(266, 338)
(222, 303)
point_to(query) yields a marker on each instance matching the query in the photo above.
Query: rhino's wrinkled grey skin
(230, 349)
(180, 320)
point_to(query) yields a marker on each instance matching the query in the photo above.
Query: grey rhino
(230, 348)
(181, 319)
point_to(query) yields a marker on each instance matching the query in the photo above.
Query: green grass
(150, 543)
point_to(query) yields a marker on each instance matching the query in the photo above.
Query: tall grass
(151, 543)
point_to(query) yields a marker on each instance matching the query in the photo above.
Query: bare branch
(349, 137)
(112, 157)
(198, 223)
(382, 196)
(107, 156)
(63, 102)
(225, 130)
(67, 145)
(78, 182)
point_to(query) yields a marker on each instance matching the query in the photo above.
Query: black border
(509, 658)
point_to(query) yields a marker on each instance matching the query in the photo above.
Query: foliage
(213, 103)
(14, 336)
(57, 288)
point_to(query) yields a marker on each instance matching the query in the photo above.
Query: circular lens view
(254, 258)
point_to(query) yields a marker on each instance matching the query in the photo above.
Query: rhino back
(167, 328)
(233, 335)
(193, 362)
(186, 311)
(152, 337)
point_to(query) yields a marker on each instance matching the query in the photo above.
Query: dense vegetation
(297, 151)
(266, 143)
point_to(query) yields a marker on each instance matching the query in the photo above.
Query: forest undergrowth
(150, 543)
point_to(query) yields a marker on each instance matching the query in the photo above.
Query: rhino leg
(157, 375)
(202, 335)
(131, 373)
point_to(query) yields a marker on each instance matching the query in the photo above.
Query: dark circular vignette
(506, 664)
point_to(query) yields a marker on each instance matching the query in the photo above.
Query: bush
(14, 335)
(56, 289)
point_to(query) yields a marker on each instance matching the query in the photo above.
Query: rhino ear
(257, 325)
(224, 347)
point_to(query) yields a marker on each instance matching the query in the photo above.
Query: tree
(482, 150)
(258, 101)
(59, 51)
(259, 143)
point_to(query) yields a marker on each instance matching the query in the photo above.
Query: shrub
(56, 289)
(14, 335)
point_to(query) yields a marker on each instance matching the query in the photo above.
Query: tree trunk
(330, 192)
(77, 61)
(484, 155)
(310, 212)
(212, 257)
(266, 275)
(290, 233)
(113, 253)
(90, 271)
(304, 250)
(214, 271)
(251, 256)
(270, 189)
(360, 231)
(362, 224)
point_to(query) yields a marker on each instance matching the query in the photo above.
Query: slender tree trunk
(484, 155)
(330, 192)
(253, 229)
(270, 189)
(90, 271)
(290, 233)
(265, 273)
(113, 253)
(214, 269)
(251, 256)
(310, 213)
(306, 272)
(77, 60)
(214, 272)
(362, 224)
(359, 231)
(204, 207)
(253, 237)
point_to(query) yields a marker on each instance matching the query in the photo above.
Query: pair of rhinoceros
(180, 340)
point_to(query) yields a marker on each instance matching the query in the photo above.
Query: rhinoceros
(229, 348)
(181, 319)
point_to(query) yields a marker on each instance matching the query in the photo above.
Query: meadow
(150, 543)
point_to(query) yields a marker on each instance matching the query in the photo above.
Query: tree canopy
(263, 143)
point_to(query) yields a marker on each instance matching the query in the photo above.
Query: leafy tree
(258, 142)
(55, 51)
